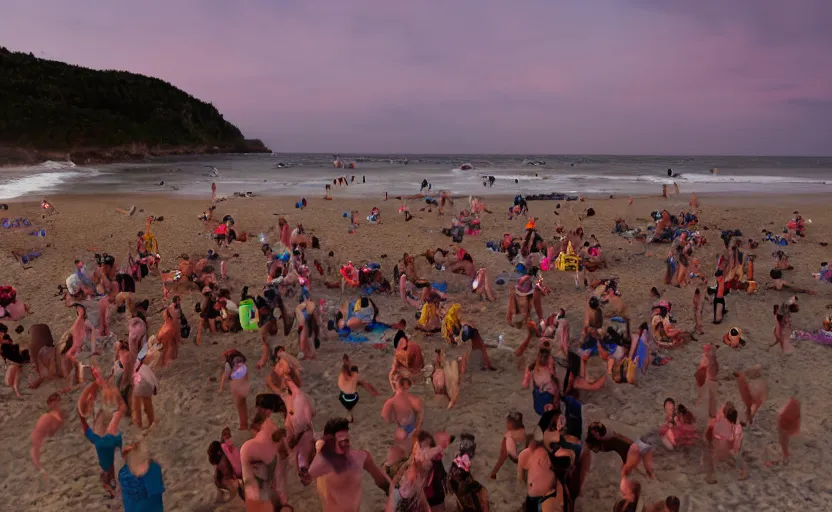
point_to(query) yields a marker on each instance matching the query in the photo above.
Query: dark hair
(365, 302)
(595, 431)
(776, 273)
(593, 302)
(335, 425)
(516, 418)
(672, 504)
(405, 381)
(3, 328)
(215, 453)
(682, 410)
(731, 413)
(672, 401)
(467, 444)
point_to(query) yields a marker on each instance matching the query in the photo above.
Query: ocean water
(307, 174)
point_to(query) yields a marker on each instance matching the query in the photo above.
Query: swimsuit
(410, 426)
(541, 399)
(535, 503)
(348, 400)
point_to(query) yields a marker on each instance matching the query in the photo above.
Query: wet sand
(191, 414)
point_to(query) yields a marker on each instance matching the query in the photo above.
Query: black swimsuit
(535, 503)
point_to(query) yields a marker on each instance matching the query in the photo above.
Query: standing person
(145, 385)
(264, 459)
(719, 299)
(301, 435)
(46, 426)
(105, 439)
(544, 492)
(348, 382)
(338, 469)
(236, 371)
(706, 377)
(141, 480)
(404, 409)
(788, 425)
(723, 439)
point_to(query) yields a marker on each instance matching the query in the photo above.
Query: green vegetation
(50, 106)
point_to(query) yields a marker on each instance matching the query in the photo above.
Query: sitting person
(357, 315)
(430, 318)
(679, 428)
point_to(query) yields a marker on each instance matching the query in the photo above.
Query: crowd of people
(119, 377)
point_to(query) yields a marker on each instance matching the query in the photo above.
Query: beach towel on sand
(372, 333)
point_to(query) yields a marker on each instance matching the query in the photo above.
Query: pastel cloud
(609, 76)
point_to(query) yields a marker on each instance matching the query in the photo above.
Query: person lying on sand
(46, 426)
(348, 382)
(779, 283)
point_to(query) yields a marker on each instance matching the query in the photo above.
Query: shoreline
(810, 196)
(128, 154)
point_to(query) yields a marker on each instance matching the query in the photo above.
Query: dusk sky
(460, 76)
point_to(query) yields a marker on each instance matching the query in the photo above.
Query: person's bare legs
(788, 425)
(511, 310)
(537, 301)
(501, 459)
(647, 460)
(147, 404)
(264, 339)
(13, 379)
(587, 385)
(242, 411)
(137, 411)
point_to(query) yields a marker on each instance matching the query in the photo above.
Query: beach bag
(249, 315)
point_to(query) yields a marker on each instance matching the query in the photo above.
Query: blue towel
(355, 337)
(442, 287)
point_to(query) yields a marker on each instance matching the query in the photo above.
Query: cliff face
(55, 111)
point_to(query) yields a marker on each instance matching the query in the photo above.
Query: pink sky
(487, 76)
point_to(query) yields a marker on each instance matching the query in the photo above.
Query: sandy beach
(191, 414)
